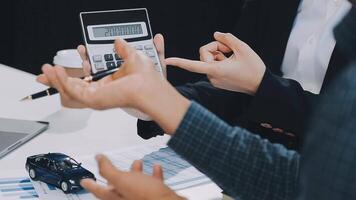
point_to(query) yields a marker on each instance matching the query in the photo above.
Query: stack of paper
(178, 174)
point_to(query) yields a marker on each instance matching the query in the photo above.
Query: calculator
(101, 28)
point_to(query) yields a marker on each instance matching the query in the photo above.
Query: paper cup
(71, 61)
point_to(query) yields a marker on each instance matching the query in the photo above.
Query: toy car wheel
(65, 187)
(32, 173)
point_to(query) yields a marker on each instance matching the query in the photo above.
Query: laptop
(14, 133)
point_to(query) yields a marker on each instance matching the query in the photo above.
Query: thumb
(159, 43)
(160, 46)
(237, 45)
(107, 169)
(123, 48)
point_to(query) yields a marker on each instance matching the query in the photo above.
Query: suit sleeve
(280, 102)
(225, 104)
(241, 163)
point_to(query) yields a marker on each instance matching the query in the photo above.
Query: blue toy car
(59, 170)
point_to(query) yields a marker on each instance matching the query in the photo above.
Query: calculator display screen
(118, 30)
(107, 32)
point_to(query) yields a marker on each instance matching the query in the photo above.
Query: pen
(52, 91)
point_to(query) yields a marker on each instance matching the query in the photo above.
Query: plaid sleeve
(241, 163)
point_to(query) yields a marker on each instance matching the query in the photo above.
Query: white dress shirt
(312, 43)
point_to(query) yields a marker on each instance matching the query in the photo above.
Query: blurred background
(32, 31)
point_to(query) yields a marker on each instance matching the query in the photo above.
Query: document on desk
(178, 173)
(49, 192)
(16, 185)
(17, 188)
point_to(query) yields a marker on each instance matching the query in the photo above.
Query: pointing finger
(191, 65)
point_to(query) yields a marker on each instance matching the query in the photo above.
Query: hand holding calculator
(101, 28)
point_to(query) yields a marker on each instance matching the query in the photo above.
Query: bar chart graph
(17, 189)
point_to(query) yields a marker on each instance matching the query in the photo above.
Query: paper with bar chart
(15, 185)
(178, 173)
(17, 188)
(48, 192)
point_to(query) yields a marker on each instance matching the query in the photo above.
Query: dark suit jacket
(265, 26)
(329, 157)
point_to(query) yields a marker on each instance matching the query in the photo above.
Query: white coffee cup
(71, 61)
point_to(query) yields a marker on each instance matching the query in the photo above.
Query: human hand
(129, 185)
(241, 72)
(136, 72)
(158, 40)
(135, 85)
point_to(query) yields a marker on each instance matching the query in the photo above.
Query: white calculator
(101, 28)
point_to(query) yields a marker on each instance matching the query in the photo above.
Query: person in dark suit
(282, 101)
(329, 157)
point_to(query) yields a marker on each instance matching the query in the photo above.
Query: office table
(75, 132)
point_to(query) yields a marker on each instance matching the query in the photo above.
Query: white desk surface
(73, 132)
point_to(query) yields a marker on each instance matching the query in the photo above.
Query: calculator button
(99, 66)
(139, 47)
(148, 47)
(111, 65)
(97, 58)
(117, 57)
(108, 57)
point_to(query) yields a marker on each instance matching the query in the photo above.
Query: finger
(84, 56)
(86, 68)
(207, 51)
(72, 87)
(82, 50)
(51, 75)
(108, 170)
(43, 79)
(101, 192)
(191, 65)
(158, 172)
(123, 48)
(118, 179)
(160, 46)
(218, 56)
(137, 166)
(231, 41)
